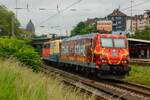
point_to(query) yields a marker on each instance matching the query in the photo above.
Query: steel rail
(133, 87)
(110, 90)
(85, 88)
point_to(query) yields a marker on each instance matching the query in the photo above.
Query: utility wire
(136, 5)
(71, 5)
(61, 11)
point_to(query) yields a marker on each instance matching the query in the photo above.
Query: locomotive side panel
(46, 50)
(77, 52)
(51, 50)
(55, 50)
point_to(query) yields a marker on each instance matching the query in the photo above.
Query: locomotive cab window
(119, 43)
(113, 43)
(107, 42)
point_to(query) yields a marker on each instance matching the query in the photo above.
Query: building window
(118, 18)
(114, 28)
(119, 22)
(114, 21)
(119, 27)
(112, 18)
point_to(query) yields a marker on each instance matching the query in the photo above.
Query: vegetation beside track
(20, 83)
(139, 74)
(20, 49)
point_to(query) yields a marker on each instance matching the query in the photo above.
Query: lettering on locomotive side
(93, 51)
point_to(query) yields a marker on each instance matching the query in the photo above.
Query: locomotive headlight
(104, 61)
(103, 58)
(124, 61)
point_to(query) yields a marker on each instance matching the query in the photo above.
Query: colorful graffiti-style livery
(102, 52)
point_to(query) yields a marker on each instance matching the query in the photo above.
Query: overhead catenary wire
(138, 4)
(61, 11)
(58, 6)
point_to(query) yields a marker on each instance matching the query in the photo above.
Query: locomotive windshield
(113, 43)
(119, 43)
(107, 42)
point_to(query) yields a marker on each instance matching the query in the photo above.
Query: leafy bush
(144, 34)
(21, 50)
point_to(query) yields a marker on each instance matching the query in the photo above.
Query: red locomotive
(94, 53)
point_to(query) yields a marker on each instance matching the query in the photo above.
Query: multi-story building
(118, 19)
(128, 25)
(104, 25)
(148, 14)
(121, 23)
(141, 21)
(138, 23)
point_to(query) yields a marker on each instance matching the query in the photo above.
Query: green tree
(20, 49)
(8, 21)
(144, 34)
(83, 28)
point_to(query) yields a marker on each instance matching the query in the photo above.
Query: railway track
(136, 88)
(104, 89)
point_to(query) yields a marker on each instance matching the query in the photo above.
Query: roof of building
(117, 12)
(137, 17)
(93, 20)
(147, 12)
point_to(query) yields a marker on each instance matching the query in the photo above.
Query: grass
(139, 74)
(20, 83)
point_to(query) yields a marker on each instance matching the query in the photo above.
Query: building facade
(104, 25)
(139, 22)
(121, 23)
(118, 19)
(148, 14)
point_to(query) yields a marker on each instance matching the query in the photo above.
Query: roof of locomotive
(90, 36)
(78, 37)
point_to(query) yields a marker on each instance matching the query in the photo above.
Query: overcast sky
(68, 19)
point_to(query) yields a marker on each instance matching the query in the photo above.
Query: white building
(139, 22)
